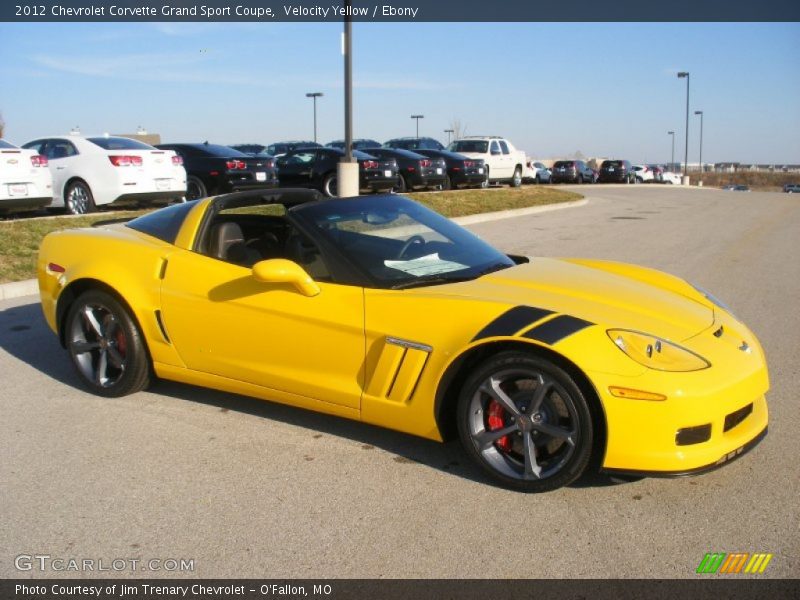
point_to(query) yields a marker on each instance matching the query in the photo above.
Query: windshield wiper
(440, 279)
(430, 280)
(493, 268)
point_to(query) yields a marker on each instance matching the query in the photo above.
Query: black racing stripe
(511, 321)
(556, 329)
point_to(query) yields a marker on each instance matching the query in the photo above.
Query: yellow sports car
(380, 310)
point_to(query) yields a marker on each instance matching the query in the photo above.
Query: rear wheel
(78, 199)
(330, 185)
(516, 180)
(448, 183)
(525, 422)
(106, 346)
(195, 188)
(401, 186)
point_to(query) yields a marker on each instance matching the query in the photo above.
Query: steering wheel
(414, 239)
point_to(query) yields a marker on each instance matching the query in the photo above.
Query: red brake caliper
(496, 422)
(122, 344)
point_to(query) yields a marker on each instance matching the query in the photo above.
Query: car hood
(614, 295)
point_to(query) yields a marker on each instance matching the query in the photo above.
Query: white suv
(504, 163)
(92, 171)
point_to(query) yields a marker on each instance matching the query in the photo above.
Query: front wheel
(78, 199)
(106, 346)
(525, 422)
(516, 180)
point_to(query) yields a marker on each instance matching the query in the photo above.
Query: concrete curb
(17, 289)
(517, 212)
(29, 287)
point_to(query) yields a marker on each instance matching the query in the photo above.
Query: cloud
(172, 67)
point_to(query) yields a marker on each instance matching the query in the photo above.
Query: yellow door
(224, 322)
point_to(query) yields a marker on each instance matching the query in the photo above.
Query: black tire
(78, 198)
(516, 179)
(105, 345)
(448, 183)
(195, 188)
(402, 185)
(538, 179)
(559, 431)
(639, 180)
(329, 185)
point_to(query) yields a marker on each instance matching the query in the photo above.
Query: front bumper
(726, 401)
(723, 460)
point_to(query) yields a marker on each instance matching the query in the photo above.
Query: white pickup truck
(504, 163)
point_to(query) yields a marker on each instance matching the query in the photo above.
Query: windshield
(398, 243)
(476, 146)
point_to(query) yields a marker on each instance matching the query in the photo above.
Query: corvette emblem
(12, 161)
(745, 347)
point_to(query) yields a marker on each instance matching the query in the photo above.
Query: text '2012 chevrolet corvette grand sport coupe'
(380, 310)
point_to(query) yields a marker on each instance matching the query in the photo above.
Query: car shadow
(25, 335)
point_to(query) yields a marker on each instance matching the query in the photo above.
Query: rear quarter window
(163, 224)
(119, 143)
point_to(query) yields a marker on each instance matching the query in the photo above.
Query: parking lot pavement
(252, 489)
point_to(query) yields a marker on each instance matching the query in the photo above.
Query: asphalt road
(252, 489)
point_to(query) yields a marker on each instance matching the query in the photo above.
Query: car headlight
(656, 353)
(713, 299)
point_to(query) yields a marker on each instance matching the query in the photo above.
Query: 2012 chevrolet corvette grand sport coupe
(380, 310)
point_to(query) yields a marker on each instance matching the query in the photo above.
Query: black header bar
(400, 11)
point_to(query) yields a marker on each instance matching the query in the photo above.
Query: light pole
(681, 75)
(672, 164)
(700, 112)
(314, 96)
(448, 132)
(417, 118)
(347, 169)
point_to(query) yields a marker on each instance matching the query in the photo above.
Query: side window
(304, 252)
(60, 149)
(37, 145)
(504, 146)
(494, 148)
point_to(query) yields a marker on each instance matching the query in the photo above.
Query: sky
(553, 89)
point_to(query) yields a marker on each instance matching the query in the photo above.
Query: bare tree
(459, 129)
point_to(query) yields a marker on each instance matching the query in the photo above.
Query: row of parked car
(80, 173)
(610, 171)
